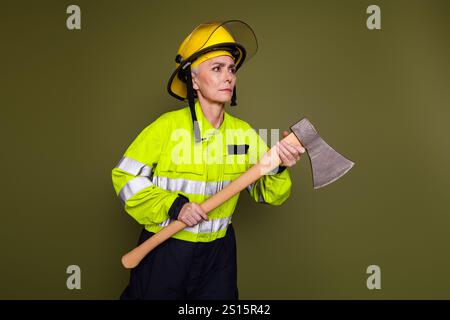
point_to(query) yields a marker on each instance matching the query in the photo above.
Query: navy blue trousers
(178, 269)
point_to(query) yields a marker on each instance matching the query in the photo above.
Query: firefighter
(187, 155)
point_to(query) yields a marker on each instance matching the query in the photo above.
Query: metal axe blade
(327, 164)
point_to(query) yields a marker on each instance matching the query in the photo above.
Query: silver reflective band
(197, 133)
(146, 171)
(134, 167)
(209, 226)
(258, 191)
(134, 186)
(190, 186)
(237, 149)
(260, 195)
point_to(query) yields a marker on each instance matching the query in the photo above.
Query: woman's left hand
(288, 153)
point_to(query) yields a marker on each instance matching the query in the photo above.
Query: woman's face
(214, 79)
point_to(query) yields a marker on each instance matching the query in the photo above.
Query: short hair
(195, 70)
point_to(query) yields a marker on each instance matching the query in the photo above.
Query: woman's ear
(194, 81)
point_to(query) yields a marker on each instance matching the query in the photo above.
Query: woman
(156, 187)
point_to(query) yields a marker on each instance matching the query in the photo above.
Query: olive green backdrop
(72, 101)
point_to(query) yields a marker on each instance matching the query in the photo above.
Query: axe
(327, 166)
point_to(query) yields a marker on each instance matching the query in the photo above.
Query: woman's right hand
(191, 214)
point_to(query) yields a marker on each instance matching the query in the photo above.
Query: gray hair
(195, 70)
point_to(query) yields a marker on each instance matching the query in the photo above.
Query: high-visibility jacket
(164, 163)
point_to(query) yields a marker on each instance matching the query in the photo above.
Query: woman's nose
(229, 76)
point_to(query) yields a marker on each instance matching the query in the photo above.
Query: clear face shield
(234, 35)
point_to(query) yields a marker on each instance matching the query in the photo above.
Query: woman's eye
(216, 68)
(233, 70)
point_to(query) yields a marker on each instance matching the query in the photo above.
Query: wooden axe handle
(268, 162)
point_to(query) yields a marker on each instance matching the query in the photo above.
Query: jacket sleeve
(273, 188)
(132, 178)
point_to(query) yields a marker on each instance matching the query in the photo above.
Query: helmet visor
(220, 33)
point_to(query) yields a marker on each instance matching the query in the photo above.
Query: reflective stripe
(134, 167)
(237, 148)
(209, 226)
(133, 186)
(260, 195)
(190, 186)
(146, 171)
(258, 191)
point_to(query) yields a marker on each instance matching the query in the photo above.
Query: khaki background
(72, 101)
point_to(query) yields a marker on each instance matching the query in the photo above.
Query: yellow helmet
(234, 38)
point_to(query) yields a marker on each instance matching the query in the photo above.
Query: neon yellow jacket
(163, 168)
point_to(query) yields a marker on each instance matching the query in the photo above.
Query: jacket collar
(206, 129)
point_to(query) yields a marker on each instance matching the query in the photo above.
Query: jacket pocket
(182, 169)
(166, 166)
(234, 166)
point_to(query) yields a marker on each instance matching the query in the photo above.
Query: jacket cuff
(281, 169)
(176, 206)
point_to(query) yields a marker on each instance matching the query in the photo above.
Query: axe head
(327, 164)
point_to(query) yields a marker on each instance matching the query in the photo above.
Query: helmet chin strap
(233, 98)
(191, 99)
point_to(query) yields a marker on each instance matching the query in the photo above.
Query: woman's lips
(228, 90)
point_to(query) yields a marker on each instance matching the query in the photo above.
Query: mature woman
(156, 187)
